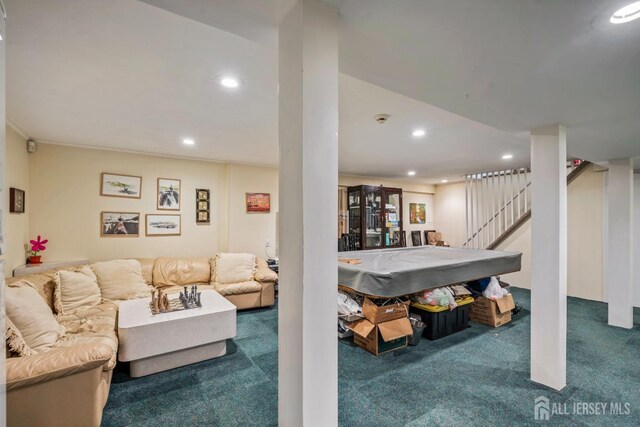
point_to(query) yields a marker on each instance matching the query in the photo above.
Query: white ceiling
(513, 65)
(122, 74)
(127, 75)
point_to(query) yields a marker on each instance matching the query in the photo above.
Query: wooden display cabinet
(375, 216)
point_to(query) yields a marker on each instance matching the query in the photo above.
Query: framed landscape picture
(417, 213)
(119, 224)
(163, 225)
(258, 202)
(115, 185)
(169, 194)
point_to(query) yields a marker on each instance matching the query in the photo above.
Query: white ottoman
(155, 343)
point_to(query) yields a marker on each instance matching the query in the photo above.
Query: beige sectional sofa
(69, 385)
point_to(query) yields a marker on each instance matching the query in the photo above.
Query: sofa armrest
(264, 273)
(59, 362)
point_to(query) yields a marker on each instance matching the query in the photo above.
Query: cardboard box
(376, 315)
(492, 312)
(383, 337)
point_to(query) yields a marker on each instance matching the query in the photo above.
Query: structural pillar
(620, 245)
(308, 129)
(549, 256)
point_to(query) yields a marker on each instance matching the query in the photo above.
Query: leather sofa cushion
(248, 287)
(31, 316)
(181, 271)
(95, 325)
(177, 289)
(120, 279)
(233, 268)
(146, 264)
(76, 290)
(263, 272)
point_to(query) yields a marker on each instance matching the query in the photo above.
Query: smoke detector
(381, 118)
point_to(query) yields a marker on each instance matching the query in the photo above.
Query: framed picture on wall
(117, 185)
(202, 217)
(202, 206)
(169, 194)
(163, 225)
(258, 202)
(16, 200)
(417, 213)
(119, 224)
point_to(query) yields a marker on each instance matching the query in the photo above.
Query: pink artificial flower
(38, 245)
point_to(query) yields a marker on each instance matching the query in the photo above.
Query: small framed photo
(16, 200)
(163, 225)
(117, 185)
(203, 205)
(169, 194)
(258, 202)
(202, 217)
(202, 194)
(119, 224)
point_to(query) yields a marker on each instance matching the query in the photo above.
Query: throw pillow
(120, 279)
(75, 290)
(31, 317)
(234, 268)
(15, 341)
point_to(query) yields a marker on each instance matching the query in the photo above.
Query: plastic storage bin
(441, 321)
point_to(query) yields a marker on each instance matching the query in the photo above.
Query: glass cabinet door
(354, 216)
(373, 217)
(393, 218)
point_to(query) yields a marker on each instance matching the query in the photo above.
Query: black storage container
(444, 322)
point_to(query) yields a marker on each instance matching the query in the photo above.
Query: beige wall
(66, 204)
(450, 213)
(17, 176)
(584, 199)
(250, 232)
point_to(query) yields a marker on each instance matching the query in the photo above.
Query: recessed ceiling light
(229, 82)
(444, 181)
(507, 157)
(419, 132)
(411, 173)
(188, 141)
(628, 13)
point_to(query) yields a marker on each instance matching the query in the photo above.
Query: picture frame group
(127, 224)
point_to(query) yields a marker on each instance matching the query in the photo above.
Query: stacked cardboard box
(384, 328)
(492, 312)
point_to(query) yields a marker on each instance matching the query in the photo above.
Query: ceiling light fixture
(627, 14)
(507, 157)
(229, 82)
(188, 141)
(444, 181)
(411, 173)
(418, 133)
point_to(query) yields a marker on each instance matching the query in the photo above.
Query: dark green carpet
(475, 377)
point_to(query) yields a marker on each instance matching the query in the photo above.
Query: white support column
(307, 344)
(619, 261)
(549, 257)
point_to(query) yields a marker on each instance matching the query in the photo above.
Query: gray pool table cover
(403, 271)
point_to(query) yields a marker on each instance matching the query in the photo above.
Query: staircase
(498, 203)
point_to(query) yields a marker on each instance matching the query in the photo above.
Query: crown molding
(151, 153)
(16, 128)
